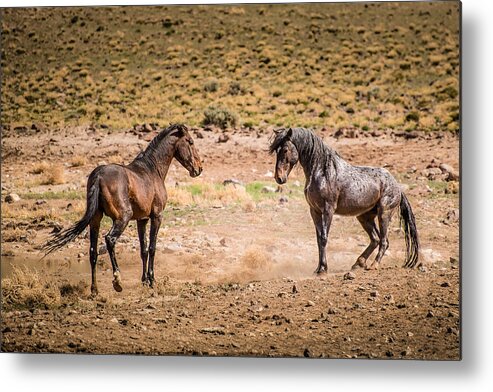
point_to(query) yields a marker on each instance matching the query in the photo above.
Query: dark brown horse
(132, 192)
(333, 186)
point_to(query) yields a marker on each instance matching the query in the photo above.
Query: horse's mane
(149, 155)
(312, 151)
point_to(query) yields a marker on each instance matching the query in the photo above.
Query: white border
(126, 373)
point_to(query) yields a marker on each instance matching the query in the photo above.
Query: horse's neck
(312, 168)
(158, 162)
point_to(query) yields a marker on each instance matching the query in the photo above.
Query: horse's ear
(289, 133)
(277, 131)
(178, 132)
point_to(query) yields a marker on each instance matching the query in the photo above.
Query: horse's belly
(356, 202)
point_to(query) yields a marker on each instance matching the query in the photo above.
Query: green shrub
(211, 86)
(220, 117)
(413, 116)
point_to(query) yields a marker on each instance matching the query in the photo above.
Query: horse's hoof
(320, 270)
(117, 283)
(359, 264)
(117, 286)
(373, 266)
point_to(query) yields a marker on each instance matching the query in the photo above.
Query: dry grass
(27, 289)
(78, 160)
(40, 167)
(209, 195)
(55, 175)
(73, 291)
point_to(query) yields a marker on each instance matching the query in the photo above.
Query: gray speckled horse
(334, 186)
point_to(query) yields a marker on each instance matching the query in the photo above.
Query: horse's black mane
(151, 155)
(312, 151)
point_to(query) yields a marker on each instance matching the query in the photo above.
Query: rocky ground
(234, 275)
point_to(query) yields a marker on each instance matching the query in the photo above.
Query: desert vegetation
(319, 65)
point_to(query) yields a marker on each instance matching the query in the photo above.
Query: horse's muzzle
(281, 181)
(195, 172)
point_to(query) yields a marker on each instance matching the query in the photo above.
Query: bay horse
(131, 192)
(333, 186)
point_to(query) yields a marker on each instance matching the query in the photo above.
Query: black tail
(408, 223)
(63, 237)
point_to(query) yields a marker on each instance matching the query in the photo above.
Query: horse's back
(361, 188)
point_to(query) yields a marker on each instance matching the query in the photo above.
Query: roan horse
(334, 186)
(132, 192)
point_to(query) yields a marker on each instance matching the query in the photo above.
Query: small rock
(410, 334)
(295, 290)
(445, 284)
(213, 330)
(233, 181)
(333, 311)
(12, 198)
(374, 293)
(452, 174)
(283, 199)
(430, 314)
(452, 217)
(268, 189)
(389, 298)
(114, 320)
(452, 330)
(431, 173)
(223, 138)
(310, 303)
(307, 353)
(80, 255)
(223, 242)
(349, 276)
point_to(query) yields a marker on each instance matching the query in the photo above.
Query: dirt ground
(233, 278)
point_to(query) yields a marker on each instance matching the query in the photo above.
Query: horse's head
(185, 151)
(287, 155)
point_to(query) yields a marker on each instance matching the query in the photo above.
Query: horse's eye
(190, 141)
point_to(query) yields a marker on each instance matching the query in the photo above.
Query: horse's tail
(408, 223)
(63, 237)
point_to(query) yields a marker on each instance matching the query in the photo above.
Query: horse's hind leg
(93, 250)
(384, 218)
(144, 252)
(111, 238)
(367, 220)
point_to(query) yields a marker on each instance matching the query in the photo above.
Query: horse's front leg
(155, 224)
(144, 252)
(322, 221)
